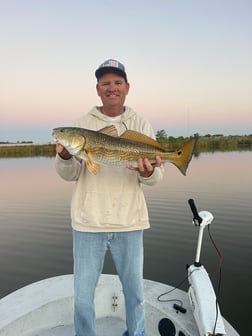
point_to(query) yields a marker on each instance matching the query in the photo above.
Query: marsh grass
(28, 150)
(204, 144)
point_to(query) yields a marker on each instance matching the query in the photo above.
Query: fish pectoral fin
(141, 138)
(94, 168)
(109, 130)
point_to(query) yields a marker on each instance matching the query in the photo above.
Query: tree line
(208, 142)
(205, 143)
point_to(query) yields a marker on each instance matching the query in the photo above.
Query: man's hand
(63, 153)
(145, 167)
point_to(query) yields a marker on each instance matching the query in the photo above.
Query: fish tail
(183, 155)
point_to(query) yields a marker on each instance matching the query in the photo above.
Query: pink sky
(189, 64)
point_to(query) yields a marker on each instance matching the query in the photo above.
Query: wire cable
(173, 289)
(220, 276)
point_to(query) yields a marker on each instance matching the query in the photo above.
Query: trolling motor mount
(201, 293)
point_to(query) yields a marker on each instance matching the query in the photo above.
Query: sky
(188, 63)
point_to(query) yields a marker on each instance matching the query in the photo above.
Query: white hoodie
(112, 200)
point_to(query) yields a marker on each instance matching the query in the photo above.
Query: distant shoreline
(204, 144)
(26, 150)
(16, 143)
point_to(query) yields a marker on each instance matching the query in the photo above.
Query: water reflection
(35, 232)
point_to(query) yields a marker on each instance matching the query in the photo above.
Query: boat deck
(45, 308)
(116, 328)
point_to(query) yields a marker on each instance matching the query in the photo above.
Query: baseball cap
(111, 65)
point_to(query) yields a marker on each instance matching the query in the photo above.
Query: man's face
(112, 89)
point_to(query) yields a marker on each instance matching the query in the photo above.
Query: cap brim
(101, 71)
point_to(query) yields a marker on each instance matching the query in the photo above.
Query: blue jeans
(89, 251)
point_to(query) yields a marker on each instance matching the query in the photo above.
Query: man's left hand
(145, 167)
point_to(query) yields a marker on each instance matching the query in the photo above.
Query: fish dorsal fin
(109, 130)
(141, 138)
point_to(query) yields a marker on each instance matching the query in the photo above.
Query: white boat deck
(45, 308)
(116, 328)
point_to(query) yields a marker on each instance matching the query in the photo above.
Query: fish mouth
(54, 138)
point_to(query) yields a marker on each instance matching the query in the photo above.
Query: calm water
(35, 232)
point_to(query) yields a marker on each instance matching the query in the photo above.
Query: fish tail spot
(184, 155)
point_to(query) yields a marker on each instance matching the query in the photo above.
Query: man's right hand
(63, 153)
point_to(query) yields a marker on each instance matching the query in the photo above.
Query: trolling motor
(201, 293)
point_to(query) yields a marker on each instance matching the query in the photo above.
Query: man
(108, 210)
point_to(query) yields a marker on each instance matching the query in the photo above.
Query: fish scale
(119, 152)
(105, 147)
